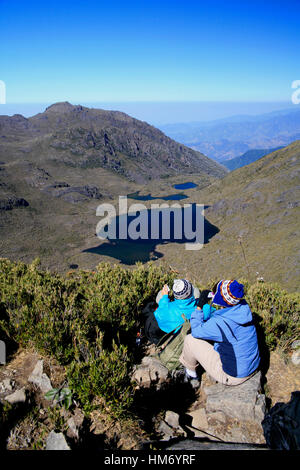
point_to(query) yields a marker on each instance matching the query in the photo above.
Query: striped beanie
(228, 293)
(182, 289)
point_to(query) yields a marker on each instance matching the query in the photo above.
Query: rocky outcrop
(222, 413)
(244, 402)
(12, 202)
(73, 194)
(221, 417)
(39, 378)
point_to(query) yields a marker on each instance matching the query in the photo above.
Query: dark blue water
(148, 197)
(187, 185)
(130, 251)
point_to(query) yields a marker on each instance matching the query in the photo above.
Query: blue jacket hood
(240, 313)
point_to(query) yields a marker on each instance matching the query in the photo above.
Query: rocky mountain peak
(60, 107)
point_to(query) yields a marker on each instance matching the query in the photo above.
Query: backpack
(169, 348)
(281, 426)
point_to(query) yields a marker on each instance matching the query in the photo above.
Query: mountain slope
(81, 137)
(257, 211)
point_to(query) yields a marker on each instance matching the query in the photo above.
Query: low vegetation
(88, 321)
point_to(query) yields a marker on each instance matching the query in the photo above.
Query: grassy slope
(259, 204)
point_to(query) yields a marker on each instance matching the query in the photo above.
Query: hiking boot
(194, 382)
(178, 374)
(181, 376)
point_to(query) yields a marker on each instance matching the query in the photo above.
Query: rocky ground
(213, 416)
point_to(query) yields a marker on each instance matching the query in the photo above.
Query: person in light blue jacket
(168, 316)
(225, 342)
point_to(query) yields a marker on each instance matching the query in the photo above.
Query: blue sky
(149, 51)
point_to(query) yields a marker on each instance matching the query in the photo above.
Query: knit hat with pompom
(182, 289)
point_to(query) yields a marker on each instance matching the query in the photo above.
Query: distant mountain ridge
(228, 138)
(248, 157)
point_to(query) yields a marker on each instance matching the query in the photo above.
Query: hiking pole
(245, 259)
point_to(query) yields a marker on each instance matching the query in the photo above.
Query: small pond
(148, 197)
(187, 185)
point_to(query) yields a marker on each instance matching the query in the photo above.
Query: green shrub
(88, 321)
(277, 311)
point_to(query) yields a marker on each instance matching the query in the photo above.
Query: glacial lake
(148, 197)
(179, 230)
(172, 197)
(188, 185)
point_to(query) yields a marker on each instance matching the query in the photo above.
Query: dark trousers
(152, 331)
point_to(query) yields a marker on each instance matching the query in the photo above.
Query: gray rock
(260, 408)
(151, 371)
(243, 402)
(8, 384)
(12, 202)
(296, 357)
(75, 424)
(295, 344)
(199, 419)
(19, 396)
(166, 431)
(39, 378)
(172, 419)
(189, 444)
(56, 441)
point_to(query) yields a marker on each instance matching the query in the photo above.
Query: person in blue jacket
(168, 316)
(224, 341)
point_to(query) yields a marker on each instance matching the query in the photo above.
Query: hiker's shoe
(178, 374)
(182, 376)
(193, 381)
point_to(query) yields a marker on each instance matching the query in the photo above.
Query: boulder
(39, 378)
(19, 396)
(151, 371)
(167, 431)
(243, 402)
(75, 424)
(6, 385)
(56, 441)
(172, 419)
(296, 357)
(199, 419)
